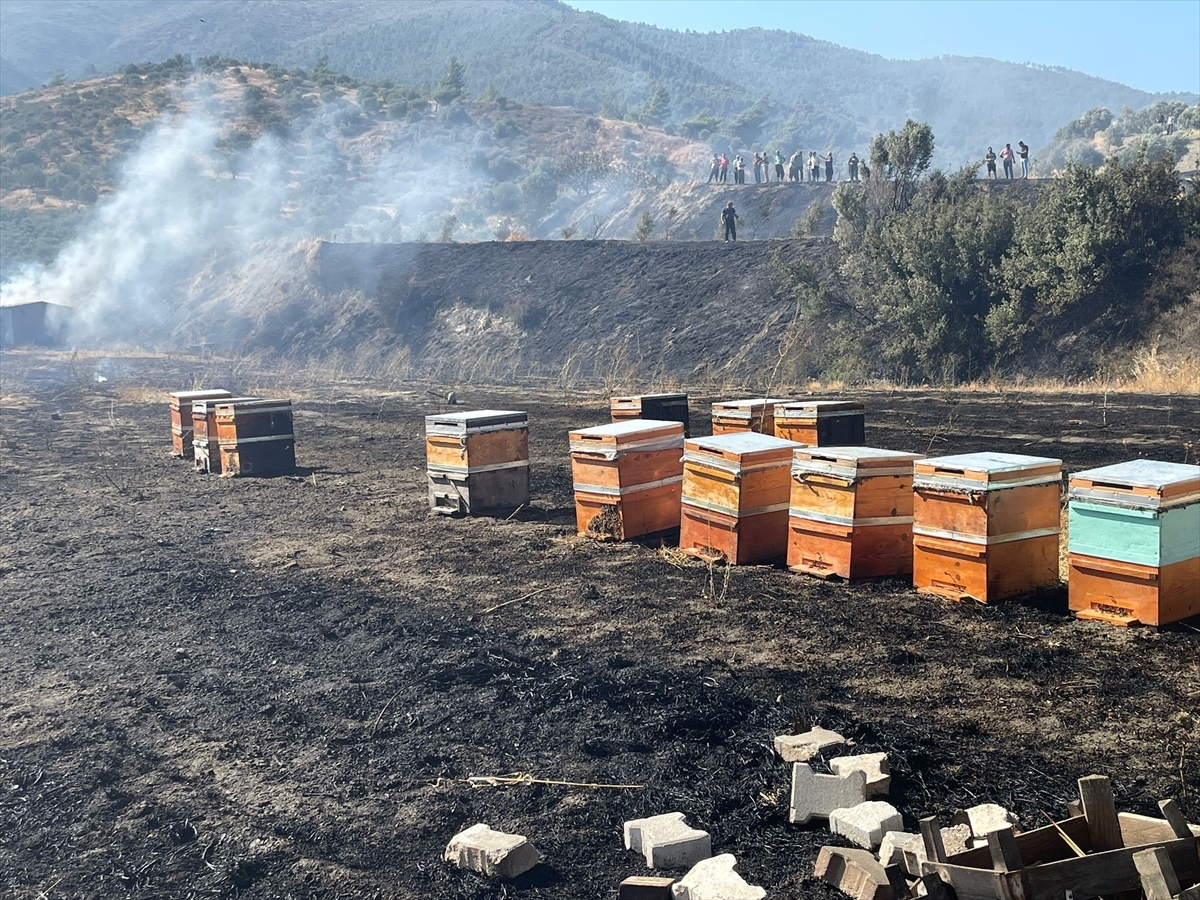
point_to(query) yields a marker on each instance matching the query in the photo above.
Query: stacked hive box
(985, 525)
(659, 407)
(851, 512)
(1134, 542)
(735, 497)
(734, 416)
(821, 423)
(206, 448)
(627, 477)
(255, 437)
(181, 417)
(477, 462)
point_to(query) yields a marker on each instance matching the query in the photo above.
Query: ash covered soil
(279, 687)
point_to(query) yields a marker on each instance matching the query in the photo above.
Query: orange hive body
(985, 525)
(735, 497)
(661, 407)
(477, 463)
(180, 403)
(1134, 542)
(255, 437)
(205, 446)
(733, 416)
(851, 512)
(821, 423)
(627, 477)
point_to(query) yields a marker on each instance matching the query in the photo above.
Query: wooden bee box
(851, 512)
(180, 403)
(1134, 542)
(821, 423)
(735, 497)
(206, 448)
(477, 462)
(733, 416)
(660, 407)
(255, 437)
(985, 525)
(627, 477)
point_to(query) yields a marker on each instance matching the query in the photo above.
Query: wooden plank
(1108, 873)
(1157, 874)
(1002, 846)
(1174, 816)
(1040, 845)
(931, 834)
(1101, 812)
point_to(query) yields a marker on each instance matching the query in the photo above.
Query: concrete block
(985, 818)
(803, 747)
(492, 852)
(866, 823)
(876, 767)
(715, 879)
(645, 887)
(891, 848)
(816, 796)
(955, 840)
(858, 874)
(667, 841)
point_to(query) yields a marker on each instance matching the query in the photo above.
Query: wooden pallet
(180, 405)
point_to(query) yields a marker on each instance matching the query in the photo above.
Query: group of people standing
(1007, 157)
(795, 165)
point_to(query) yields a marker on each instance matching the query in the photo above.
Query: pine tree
(645, 227)
(453, 85)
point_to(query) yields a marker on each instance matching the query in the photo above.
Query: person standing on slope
(715, 171)
(757, 168)
(990, 159)
(814, 165)
(729, 220)
(828, 166)
(1006, 157)
(794, 166)
(778, 167)
(723, 177)
(739, 169)
(1023, 152)
(852, 165)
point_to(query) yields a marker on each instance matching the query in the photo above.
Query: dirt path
(277, 688)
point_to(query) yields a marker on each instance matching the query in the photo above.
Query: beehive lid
(475, 420)
(985, 471)
(744, 409)
(638, 398)
(742, 448)
(629, 435)
(179, 398)
(1139, 482)
(818, 409)
(853, 462)
(253, 405)
(201, 407)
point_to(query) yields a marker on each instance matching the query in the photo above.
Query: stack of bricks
(735, 497)
(627, 477)
(851, 512)
(735, 416)
(477, 463)
(986, 525)
(659, 407)
(255, 437)
(180, 404)
(821, 423)
(1134, 542)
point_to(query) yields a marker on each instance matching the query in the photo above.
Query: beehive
(180, 403)
(255, 437)
(477, 462)
(985, 525)
(627, 477)
(851, 512)
(735, 497)
(660, 407)
(821, 423)
(1134, 542)
(734, 416)
(206, 448)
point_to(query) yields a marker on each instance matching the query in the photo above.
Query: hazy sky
(1151, 44)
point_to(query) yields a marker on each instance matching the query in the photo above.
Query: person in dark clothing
(852, 165)
(829, 166)
(990, 159)
(729, 220)
(1023, 152)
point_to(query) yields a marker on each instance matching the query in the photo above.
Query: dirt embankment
(578, 311)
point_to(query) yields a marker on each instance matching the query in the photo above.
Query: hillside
(1098, 134)
(545, 52)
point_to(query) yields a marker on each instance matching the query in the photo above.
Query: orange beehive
(1134, 542)
(477, 462)
(255, 437)
(733, 416)
(735, 497)
(206, 448)
(985, 525)
(821, 423)
(661, 407)
(851, 512)
(180, 403)
(627, 477)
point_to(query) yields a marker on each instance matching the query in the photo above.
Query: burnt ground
(278, 687)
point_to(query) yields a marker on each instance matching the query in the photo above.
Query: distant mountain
(819, 95)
